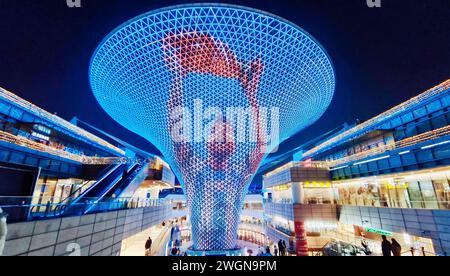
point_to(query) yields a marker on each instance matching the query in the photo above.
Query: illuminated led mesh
(219, 56)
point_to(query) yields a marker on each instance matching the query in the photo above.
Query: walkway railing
(419, 252)
(433, 205)
(6, 95)
(404, 204)
(158, 247)
(427, 136)
(368, 125)
(25, 142)
(26, 209)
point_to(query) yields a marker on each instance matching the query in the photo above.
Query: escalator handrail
(111, 185)
(61, 208)
(124, 179)
(110, 172)
(114, 183)
(115, 180)
(71, 196)
(135, 168)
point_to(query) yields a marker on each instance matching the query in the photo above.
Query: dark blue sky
(382, 56)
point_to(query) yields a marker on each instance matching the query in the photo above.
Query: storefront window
(384, 196)
(372, 195)
(282, 194)
(403, 197)
(318, 195)
(443, 193)
(428, 194)
(343, 195)
(362, 194)
(397, 194)
(415, 194)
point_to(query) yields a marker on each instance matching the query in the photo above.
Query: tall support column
(297, 193)
(301, 244)
(210, 65)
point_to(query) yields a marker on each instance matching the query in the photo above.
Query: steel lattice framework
(220, 56)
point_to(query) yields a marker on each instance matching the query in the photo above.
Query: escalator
(104, 194)
(100, 176)
(62, 208)
(108, 197)
(98, 190)
(92, 195)
(133, 172)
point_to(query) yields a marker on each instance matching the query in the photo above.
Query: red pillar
(301, 243)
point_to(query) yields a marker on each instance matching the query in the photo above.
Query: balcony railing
(282, 229)
(25, 142)
(427, 136)
(351, 244)
(412, 204)
(278, 201)
(380, 118)
(56, 120)
(37, 208)
(300, 164)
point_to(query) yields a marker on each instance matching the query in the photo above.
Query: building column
(301, 244)
(297, 193)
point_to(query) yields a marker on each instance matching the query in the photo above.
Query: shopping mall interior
(248, 186)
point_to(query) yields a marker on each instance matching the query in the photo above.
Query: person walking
(280, 247)
(365, 245)
(3, 230)
(284, 248)
(275, 250)
(171, 233)
(384, 201)
(260, 251)
(267, 253)
(174, 251)
(396, 248)
(148, 247)
(386, 247)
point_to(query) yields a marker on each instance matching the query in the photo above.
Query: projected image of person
(215, 88)
(209, 164)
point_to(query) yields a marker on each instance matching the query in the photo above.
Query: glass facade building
(217, 88)
(390, 173)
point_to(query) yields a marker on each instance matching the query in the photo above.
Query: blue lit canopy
(218, 56)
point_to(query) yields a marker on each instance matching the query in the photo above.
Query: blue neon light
(224, 56)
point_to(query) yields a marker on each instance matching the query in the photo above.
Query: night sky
(382, 56)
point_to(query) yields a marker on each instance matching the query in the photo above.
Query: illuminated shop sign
(379, 231)
(397, 186)
(40, 136)
(317, 184)
(41, 132)
(281, 187)
(317, 225)
(42, 129)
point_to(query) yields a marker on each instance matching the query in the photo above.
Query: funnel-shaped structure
(214, 87)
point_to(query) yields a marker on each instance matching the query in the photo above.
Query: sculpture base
(227, 253)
